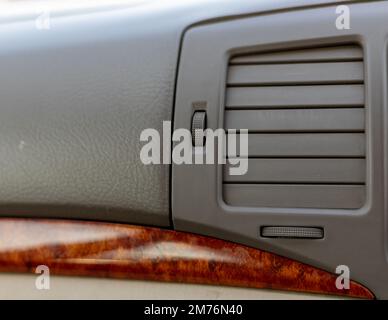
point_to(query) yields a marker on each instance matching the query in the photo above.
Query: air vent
(305, 113)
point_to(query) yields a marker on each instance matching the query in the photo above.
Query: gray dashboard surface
(75, 98)
(352, 237)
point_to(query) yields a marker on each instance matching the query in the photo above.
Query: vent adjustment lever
(198, 126)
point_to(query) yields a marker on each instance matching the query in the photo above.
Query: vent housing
(305, 112)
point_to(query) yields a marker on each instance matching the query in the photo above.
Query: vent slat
(303, 73)
(301, 171)
(306, 145)
(344, 53)
(297, 120)
(295, 196)
(295, 96)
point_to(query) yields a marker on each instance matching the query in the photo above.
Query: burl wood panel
(133, 252)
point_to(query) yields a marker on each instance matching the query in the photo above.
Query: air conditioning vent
(305, 112)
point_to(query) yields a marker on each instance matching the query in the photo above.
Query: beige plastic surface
(22, 286)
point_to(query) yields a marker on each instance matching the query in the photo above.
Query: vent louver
(305, 113)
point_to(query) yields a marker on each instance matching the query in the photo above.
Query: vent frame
(197, 200)
(299, 176)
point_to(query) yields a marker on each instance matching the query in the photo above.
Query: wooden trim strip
(99, 249)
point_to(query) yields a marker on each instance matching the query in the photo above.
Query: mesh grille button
(292, 232)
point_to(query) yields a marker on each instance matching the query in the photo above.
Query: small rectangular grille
(292, 232)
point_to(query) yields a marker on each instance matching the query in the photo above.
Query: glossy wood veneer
(82, 248)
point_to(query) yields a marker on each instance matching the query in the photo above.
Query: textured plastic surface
(353, 237)
(74, 100)
(76, 97)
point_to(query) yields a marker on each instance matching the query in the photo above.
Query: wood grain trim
(82, 248)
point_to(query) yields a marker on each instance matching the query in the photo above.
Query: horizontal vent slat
(301, 171)
(306, 145)
(311, 120)
(344, 53)
(295, 196)
(295, 96)
(303, 73)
